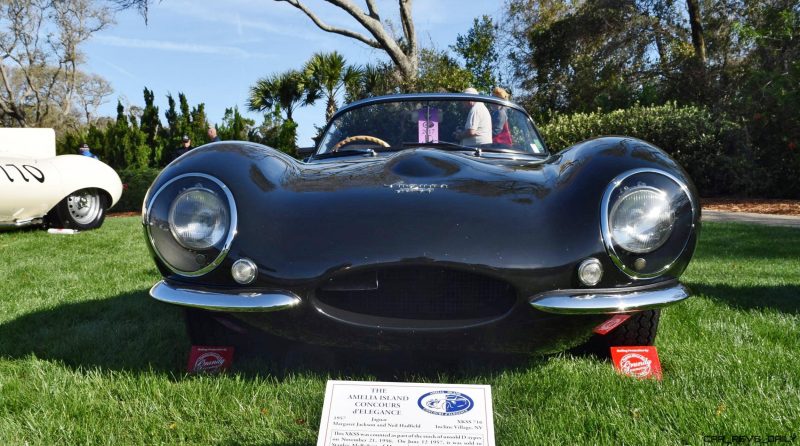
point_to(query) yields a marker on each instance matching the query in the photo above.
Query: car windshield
(451, 123)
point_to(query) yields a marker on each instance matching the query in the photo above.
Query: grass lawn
(86, 357)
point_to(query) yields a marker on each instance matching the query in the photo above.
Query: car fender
(32, 187)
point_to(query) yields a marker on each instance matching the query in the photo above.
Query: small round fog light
(244, 271)
(590, 272)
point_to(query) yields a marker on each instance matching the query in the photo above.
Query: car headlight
(198, 219)
(647, 219)
(190, 222)
(641, 219)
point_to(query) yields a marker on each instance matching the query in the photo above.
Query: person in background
(212, 134)
(478, 125)
(84, 149)
(186, 145)
(501, 134)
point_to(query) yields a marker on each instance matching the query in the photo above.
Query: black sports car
(424, 221)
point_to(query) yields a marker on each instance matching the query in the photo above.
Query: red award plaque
(638, 362)
(205, 359)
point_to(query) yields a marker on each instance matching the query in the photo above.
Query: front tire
(211, 328)
(640, 329)
(82, 210)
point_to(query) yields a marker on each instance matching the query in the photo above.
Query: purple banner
(428, 125)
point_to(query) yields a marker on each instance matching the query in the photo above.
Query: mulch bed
(124, 214)
(754, 205)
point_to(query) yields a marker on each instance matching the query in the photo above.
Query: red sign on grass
(638, 362)
(204, 359)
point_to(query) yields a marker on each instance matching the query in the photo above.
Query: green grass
(86, 357)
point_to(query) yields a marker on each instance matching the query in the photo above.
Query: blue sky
(214, 51)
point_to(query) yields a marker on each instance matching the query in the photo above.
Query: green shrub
(712, 150)
(135, 183)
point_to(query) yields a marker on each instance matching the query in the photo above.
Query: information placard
(389, 414)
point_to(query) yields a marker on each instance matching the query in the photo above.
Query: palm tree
(353, 81)
(380, 79)
(330, 73)
(288, 90)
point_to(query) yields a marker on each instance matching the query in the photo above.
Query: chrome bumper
(219, 301)
(608, 301)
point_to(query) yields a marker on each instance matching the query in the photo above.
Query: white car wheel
(85, 206)
(83, 209)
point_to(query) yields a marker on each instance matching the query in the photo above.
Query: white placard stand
(388, 414)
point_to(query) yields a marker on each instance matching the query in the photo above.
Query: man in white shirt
(478, 126)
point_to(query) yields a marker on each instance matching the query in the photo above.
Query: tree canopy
(41, 82)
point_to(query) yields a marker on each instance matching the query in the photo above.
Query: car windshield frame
(433, 97)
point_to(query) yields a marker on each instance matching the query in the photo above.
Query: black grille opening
(421, 294)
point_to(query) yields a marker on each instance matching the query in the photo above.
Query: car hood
(503, 215)
(416, 206)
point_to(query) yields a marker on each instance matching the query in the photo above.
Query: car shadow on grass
(129, 332)
(783, 298)
(133, 333)
(401, 365)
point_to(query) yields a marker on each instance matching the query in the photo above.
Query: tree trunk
(404, 54)
(698, 41)
(330, 109)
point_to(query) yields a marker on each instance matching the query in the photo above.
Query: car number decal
(28, 168)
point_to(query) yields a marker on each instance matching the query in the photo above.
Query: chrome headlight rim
(229, 237)
(613, 250)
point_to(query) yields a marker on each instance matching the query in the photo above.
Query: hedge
(713, 150)
(135, 183)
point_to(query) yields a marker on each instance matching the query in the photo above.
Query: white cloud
(182, 47)
(120, 70)
(271, 20)
(239, 30)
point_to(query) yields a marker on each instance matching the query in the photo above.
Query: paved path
(791, 221)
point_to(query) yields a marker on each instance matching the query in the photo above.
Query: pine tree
(199, 125)
(151, 126)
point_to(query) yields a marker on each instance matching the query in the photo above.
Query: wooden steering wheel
(354, 138)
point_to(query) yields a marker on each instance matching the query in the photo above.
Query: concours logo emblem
(634, 364)
(209, 359)
(445, 403)
(208, 362)
(403, 188)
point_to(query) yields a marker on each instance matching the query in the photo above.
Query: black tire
(212, 328)
(640, 329)
(82, 210)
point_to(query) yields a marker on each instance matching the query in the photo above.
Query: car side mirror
(305, 152)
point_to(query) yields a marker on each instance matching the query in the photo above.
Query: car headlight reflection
(641, 220)
(198, 218)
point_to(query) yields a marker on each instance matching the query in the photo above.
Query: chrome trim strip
(223, 301)
(232, 230)
(605, 227)
(426, 97)
(608, 301)
(20, 223)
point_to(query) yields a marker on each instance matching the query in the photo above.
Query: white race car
(38, 187)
